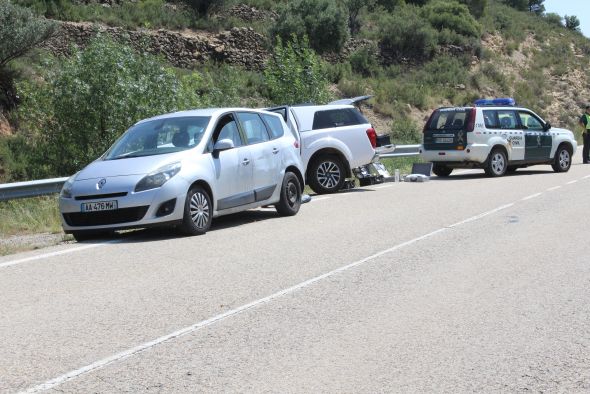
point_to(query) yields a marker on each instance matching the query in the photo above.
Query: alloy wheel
(199, 210)
(328, 174)
(498, 163)
(564, 159)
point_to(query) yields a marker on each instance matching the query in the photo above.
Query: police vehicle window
(530, 122)
(253, 127)
(275, 125)
(337, 118)
(507, 120)
(454, 119)
(490, 119)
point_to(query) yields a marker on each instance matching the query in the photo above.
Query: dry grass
(30, 216)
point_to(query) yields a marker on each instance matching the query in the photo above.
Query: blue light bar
(499, 102)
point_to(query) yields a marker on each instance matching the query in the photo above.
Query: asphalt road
(457, 285)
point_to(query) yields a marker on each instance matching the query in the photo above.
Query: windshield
(158, 137)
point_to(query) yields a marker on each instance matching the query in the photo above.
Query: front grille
(98, 196)
(102, 218)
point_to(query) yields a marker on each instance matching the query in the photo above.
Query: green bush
(295, 74)
(405, 131)
(553, 19)
(405, 33)
(92, 98)
(451, 15)
(364, 62)
(324, 22)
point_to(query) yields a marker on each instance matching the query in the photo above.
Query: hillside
(411, 58)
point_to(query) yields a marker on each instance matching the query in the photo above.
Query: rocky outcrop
(238, 46)
(246, 13)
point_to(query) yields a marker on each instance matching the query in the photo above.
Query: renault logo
(101, 183)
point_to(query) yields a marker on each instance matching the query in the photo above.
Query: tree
(476, 7)
(93, 97)
(294, 74)
(521, 5)
(323, 21)
(354, 8)
(453, 16)
(20, 31)
(537, 6)
(572, 22)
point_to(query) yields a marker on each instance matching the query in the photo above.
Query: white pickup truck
(334, 139)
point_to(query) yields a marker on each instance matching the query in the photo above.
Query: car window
(490, 119)
(275, 125)
(253, 127)
(507, 119)
(337, 118)
(159, 136)
(449, 119)
(227, 128)
(530, 121)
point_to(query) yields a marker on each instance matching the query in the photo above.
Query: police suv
(494, 135)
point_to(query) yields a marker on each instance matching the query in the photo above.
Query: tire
(290, 201)
(497, 163)
(441, 170)
(563, 159)
(327, 174)
(198, 212)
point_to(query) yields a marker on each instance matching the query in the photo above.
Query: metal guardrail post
(9, 191)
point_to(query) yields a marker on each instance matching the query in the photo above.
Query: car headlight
(157, 178)
(66, 190)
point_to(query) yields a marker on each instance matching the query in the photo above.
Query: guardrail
(10, 191)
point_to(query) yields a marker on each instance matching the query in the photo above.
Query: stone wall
(238, 46)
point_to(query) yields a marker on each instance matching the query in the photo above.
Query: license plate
(444, 140)
(99, 206)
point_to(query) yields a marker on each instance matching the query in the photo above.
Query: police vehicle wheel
(290, 196)
(563, 160)
(327, 175)
(198, 212)
(441, 170)
(497, 163)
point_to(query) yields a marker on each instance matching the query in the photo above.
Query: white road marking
(553, 188)
(53, 254)
(571, 182)
(197, 326)
(586, 177)
(531, 196)
(383, 186)
(314, 199)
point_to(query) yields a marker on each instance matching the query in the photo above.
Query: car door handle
(275, 151)
(245, 162)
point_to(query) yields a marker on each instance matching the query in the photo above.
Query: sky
(579, 8)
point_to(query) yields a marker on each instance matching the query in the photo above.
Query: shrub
(363, 61)
(92, 98)
(553, 19)
(405, 131)
(322, 21)
(407, 34)
(476, 7)
(453, 16)
(295, 74)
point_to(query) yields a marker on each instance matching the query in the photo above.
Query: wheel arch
(207, 188)
(298, 174)
(567, 144)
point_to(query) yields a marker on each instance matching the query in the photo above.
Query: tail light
(372, 137)
(471, 122)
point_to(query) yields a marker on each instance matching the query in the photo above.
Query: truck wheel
(497, 163)
(563, 160)
(290, 196)
(198, 212)
(441, 170)
(326, 174)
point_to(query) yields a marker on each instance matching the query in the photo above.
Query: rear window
(449, 119)
(338, 118)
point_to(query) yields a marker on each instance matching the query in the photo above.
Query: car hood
(559, 130)
(123, 167)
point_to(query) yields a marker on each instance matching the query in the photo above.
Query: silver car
(184, 169)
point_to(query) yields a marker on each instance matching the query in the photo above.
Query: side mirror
(222, 145)
(547, 126)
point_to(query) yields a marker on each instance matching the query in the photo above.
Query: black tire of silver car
(290, 200)
(563, 159)
(497, 163)
(198, 212)
(327, 175)
(441, 170)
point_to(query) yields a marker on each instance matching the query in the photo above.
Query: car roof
(486, 107)
(210, 112)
